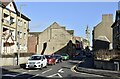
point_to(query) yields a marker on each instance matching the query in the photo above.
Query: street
(60, 70)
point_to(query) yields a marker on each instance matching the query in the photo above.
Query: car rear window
(35, 58)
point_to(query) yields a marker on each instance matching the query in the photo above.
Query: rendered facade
(14, 29)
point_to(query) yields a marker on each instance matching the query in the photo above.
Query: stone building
(102, 33)
(116, 31)
(55, 39)
(13, 29)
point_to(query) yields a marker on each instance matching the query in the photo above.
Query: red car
(50, 59)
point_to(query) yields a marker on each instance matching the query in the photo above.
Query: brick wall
(32, 44)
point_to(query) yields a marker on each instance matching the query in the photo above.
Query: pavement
(87, 67)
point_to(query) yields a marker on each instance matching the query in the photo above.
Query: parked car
(65, 56)
(58, 58)
(37, 61)
(50, 59)
(88, 55)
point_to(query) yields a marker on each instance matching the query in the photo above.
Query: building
(116, 31)
(102, 33)
(33, 39)
(78, 42)
(14, 29)
(56, 39)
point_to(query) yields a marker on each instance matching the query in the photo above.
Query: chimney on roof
(107, 18)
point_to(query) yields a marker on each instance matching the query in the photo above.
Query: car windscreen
(48, 56)
(35, 58)
(56, 56)
(64, 54)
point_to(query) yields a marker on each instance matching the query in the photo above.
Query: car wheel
(46, 66)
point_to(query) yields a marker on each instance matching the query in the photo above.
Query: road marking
(14, 75)
(10, 75)
(55, 75)
(92, 74)
(52, 75)
(24, 72)
(61, 71)
(32, 70)
(72, 69)
(34, 76)
(81, 61)
(59, 75)
(46, 71)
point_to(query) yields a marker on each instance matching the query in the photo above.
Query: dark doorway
(44, 47)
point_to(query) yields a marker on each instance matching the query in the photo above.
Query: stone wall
(107, 65)
(53, 39)
(12, 61)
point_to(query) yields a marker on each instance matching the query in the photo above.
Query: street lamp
(1, 30)
(18, 44)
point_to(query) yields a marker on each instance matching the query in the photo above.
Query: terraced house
(13, 28)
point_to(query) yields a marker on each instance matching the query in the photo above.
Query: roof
(97, 25)
(71, 32)
(103, 38)
(23, 16)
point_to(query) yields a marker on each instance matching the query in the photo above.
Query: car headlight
(38, 62)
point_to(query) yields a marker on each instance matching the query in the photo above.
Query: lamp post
(18, 44)
(0, 29)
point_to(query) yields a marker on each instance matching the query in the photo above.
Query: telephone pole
(18, 29)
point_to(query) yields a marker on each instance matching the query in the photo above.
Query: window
(12, 20)
(19, 22)
(24, 24)
(5, 15)
(24, 35)
(19, 34)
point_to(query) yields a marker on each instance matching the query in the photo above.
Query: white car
(37, 61)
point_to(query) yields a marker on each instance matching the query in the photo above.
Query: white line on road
(14, 75)
(91, 74)
(46, 71)
(34, 76)
(61, 71)
(72, 69)
(10, 75)
(52, 75)
(24, 72)
(32, 70)
(59, 75)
